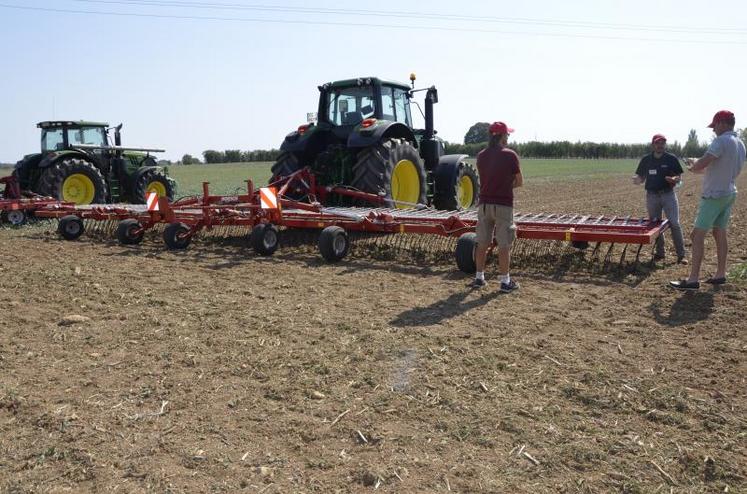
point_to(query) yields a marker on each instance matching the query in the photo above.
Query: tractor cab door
(395, 105)
(92, 136)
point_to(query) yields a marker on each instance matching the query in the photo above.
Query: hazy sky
(233, 74)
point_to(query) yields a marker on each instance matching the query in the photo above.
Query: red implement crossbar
(207, 211)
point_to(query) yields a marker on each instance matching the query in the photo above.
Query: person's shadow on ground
(690, 307)
(441, 310)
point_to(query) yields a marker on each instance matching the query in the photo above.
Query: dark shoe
(658, 257)
(684, 285)
(716, 281)
(509, 287)
(683, 261)
(478, 283)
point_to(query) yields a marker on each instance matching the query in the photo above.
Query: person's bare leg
(481, 253)
(504, 260)
(698, 240)
(722, 250)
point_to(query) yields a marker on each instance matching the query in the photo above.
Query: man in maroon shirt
(500, 174)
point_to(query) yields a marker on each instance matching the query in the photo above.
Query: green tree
(188, 159)
(743, 134)
(477, 133)
(691, 147)
(232, 156)
(212, 156)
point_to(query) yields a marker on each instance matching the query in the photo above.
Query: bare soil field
(136, 369)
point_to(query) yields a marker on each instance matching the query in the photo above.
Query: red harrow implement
(265, 211)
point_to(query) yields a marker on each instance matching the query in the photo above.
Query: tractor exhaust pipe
(431, 98)
(117, 135)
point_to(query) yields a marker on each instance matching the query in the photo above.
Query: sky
(192, 75)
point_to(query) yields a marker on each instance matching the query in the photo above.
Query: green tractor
(364, 140)
(78, 163)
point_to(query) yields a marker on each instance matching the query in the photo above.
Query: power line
(424, 15)
(367, 25)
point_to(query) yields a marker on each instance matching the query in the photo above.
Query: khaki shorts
(495, 221)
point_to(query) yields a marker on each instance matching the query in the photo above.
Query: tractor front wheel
(70, 227)
(176, 236)
(130, 232)
(265, 239)
(286, 165)
(152, 181)
(393, 170)
(74, 180)
(457, 194)
(334, 243)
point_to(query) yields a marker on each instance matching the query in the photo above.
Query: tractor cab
(61, 135)
(350, 102)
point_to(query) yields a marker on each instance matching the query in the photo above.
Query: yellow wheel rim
(156, 187)
(465, 192)
(405, 184)
(78, 188)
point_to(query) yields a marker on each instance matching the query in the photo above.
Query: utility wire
(367, 25)
(423, 15)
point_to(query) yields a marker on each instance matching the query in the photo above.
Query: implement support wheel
(334, 243)
(14, 217)
(130, 232)
(465, 253)
(177, 236)
(265, 239)
(70, 227)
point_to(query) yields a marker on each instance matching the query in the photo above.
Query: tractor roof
(365, 81)
(69, 123)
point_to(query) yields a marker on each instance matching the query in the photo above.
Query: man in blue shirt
(661, 171)
(721, 165)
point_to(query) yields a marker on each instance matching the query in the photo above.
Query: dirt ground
(136, 369)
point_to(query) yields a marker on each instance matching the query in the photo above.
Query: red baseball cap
(658, 137)
(499, 128)
(722, 116)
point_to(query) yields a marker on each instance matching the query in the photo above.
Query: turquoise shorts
(714, 212)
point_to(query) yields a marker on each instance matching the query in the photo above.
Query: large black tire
(22, 173)
(130, 232)
(70, 227)
(334, 243)
(374, 172)
(287, 164)
(461, 194)
(465, 253)
(152, 180)
(265, 239)
(176, 236)
(73, 180)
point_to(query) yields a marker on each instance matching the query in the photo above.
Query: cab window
(51, 140)
(350, 105)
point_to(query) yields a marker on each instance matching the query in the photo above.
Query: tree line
(476, 139)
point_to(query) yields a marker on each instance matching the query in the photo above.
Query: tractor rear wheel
(334, 243)
(465, 253)
(393, 170)
(130, 232)
(460, 194)
(152, 181)
(176, 236)
(73, 180)
(265, 239)
(70, 227)
(287, 164)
